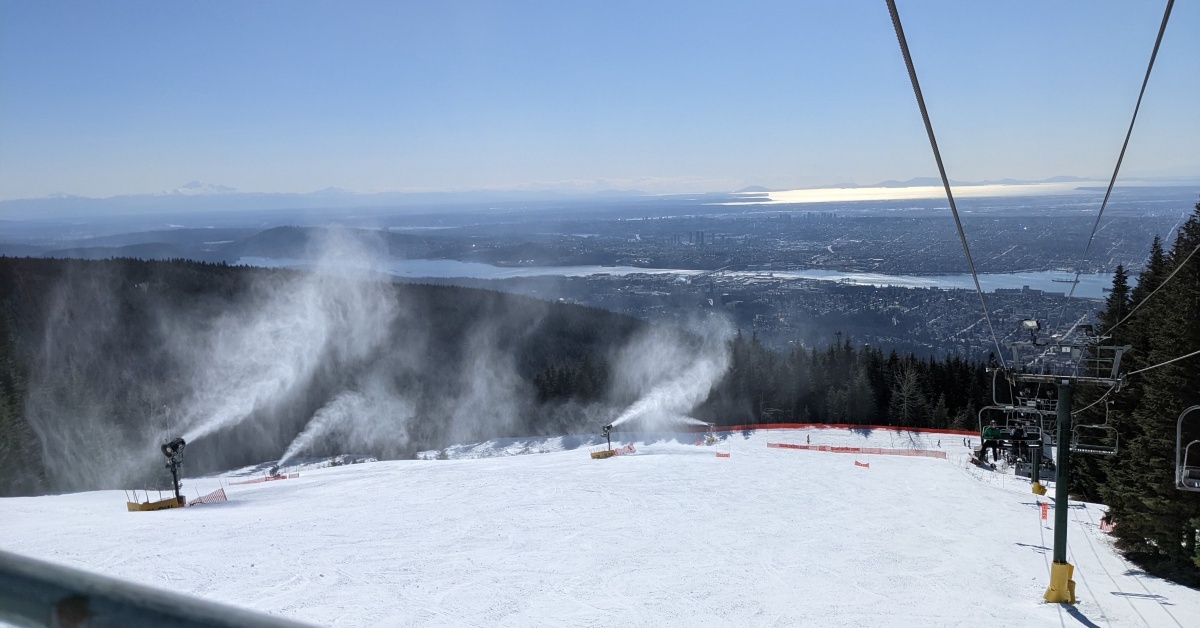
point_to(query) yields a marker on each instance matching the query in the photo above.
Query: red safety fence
(923, 453)
(837, 426)
(722, 454)
(212, 498)
(865, 465)
(628, 449)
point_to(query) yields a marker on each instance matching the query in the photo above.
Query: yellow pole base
(1039, 488)
(1062, 587)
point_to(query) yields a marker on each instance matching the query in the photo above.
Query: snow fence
(922, 453)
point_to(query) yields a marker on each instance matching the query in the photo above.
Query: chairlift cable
(1142, 370)
(1178, 267)
(1101, 398)
(1121, 157)
(1182, 357)
(937, 155)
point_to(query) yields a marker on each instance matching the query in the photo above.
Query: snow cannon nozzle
(173, 448)
(608, 429)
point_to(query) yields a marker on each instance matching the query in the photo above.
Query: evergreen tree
(941, 414)
(1088, 472)
(1156, 523)
(861, 399)
(1117, 304)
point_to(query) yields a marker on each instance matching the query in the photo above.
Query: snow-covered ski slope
(669, 536)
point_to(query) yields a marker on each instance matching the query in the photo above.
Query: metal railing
(38, 593)
(1035, 362)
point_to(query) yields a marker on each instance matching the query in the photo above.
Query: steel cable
(1155, 291)
(937, 155)
(1121, 157)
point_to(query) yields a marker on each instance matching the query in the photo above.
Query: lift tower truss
(1076, 358)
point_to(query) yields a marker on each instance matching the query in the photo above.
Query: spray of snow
(671, 372)
(373, 418)
(75, 386)
(255, 357)
(491, 395)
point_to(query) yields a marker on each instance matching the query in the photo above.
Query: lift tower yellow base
(1066, 365)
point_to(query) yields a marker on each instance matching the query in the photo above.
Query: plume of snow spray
(254, 357)
(672, 372)
(373, 418)
(489, 397)
(84, 442)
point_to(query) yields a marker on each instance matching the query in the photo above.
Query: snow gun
(173, 450)
(608, 452)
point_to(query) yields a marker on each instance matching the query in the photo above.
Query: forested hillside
(101, 360)
(1157, 525)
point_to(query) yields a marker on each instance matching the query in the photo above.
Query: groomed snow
(669, 536)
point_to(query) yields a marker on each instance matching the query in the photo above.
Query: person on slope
(991, 438)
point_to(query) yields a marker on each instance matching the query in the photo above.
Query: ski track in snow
(669, 536)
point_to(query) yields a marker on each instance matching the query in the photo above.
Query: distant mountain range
(924, 182)
(196, 196)
(226, 245)
(927, 181)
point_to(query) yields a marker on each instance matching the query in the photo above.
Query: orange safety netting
(922, 453)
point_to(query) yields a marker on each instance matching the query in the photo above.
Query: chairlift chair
(1187, 457)
(1038, 417)
(1188, 477)
(1097, 438)
(1101, 440)
(1049, 428)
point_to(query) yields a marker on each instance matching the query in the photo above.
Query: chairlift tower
(1075, 358)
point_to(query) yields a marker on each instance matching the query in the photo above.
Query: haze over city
(672, 313)
(116, 98)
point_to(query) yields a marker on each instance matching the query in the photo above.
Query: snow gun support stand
(605, 453)
(173, 450)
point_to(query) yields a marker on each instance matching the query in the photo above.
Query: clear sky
(106, 97)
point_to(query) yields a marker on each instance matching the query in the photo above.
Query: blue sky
(106, 98)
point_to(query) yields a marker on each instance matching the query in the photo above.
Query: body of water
(1091, 286)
